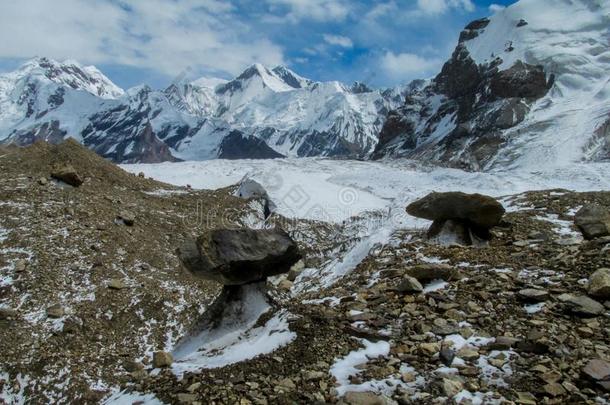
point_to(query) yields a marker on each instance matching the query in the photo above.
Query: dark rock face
(521, 80)
(460, 76)
(460, 117)
(239, 146)
(67, 174)
(471, 31)
(593, 220)
(478, 209)
(239, 256)
(47, 132)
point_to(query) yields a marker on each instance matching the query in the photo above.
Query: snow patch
(236, 338)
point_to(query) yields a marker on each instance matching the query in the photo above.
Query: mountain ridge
(292, 115)
(521, 87)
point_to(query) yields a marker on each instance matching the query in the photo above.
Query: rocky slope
(525, 86)
(91, 288)
(89, 281)
(262, 113)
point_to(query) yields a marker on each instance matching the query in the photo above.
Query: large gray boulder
(239, 256)
(480, 210)
(249, 188)
(599, 284)
(593, 220)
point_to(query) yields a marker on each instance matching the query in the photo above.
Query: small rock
(527, 346)
(287, 384)
(407, 377)
(363, 398)
(597, 369)
(526, 398)
(194, 387)
(581, 305)
(43, 181)
(599, 284)
(131, 365)
(56, 311)
(503, 343)
(67, 174)
(285, 285)
(467, 353)
(314, 375)
(141, 174)
(20, 266)
(186, 398)
(551, 377)
(554, 389)
(446, 355)
(7, 313)
(428, 272)
(162, 359)
(451, 387)
(127, 218)
(533, 295)
(139, 375)
(116, 284)
(429, 348)
(409, 284)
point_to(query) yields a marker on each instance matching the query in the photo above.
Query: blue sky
(381, 43)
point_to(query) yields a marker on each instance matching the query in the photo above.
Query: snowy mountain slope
(528, 85)
(296, 116)
(261, 113)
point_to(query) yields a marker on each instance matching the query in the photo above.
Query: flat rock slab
(581, 305)
(239, 256)
(597, 370)
(478, 209)
(429, 272)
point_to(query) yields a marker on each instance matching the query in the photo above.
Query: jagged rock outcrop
(504, 85)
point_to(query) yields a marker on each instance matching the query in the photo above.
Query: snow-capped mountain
(261, 113)
(530, 84)
(527, 86)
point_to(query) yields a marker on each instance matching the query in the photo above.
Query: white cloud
(405, 66)
(167, 36)
(381, 10)
(319, 10)
(338, 40)
(494, 8)
(442, 6)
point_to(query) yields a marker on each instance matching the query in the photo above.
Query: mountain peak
(290, 78)
(72, 74)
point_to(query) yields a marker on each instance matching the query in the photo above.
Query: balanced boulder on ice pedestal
(458, 218)
(239, 256)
